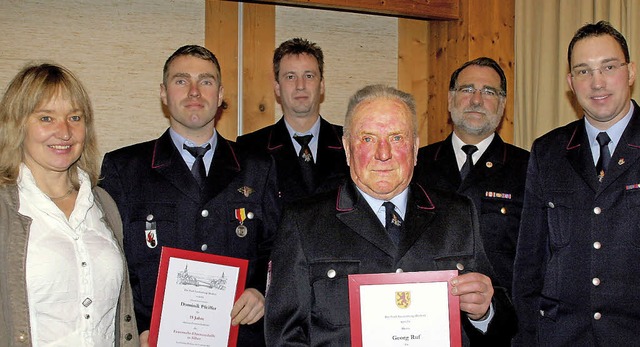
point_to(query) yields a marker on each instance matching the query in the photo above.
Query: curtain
(543, 30)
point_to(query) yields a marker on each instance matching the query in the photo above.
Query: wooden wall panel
(258, 98)
(221, 28)
(485, 28)
(413, 36)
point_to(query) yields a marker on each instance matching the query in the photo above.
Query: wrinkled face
(475, 113)
(604, 97)
(192, 95)
(54, 138)
(381, 149)
(299, 86)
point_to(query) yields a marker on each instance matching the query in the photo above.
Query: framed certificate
(404, 309)
(194, 297)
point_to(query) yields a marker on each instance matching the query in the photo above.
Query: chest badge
(246, 191)
(150, 235)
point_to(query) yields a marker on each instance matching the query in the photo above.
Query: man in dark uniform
(495, 175)
(377, 223)
(576, 275)
(307, 149)
(191, 189)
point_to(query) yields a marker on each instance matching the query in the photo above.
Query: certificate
(194, 297)
(404, 309)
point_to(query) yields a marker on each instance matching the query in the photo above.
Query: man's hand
(144, 339)
(249, 308)
(475, 291)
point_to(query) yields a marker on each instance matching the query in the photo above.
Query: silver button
(459, 266)
(597, 245)
(204, 213)
(331, 273)
(149, 218)
(595, 281)
(597, 210)
(550, 204)
(204, 247)
(22, 337)
(597, 316)
(250, 215)
(399, 270)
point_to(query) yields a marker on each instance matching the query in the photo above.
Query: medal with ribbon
(241, 215)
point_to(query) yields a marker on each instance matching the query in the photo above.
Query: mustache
(478, 109)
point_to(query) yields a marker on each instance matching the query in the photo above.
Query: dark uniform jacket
(577, 279)
(330, 162)
(151, 183)
(308, 305)
(496, 186)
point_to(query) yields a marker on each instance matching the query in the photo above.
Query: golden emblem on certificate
(403, 299)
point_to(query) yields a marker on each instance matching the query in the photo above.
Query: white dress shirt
(73, 269)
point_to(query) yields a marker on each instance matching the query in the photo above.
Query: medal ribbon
(241, 215)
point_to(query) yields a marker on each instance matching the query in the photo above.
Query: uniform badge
(403, 299)
(489, 194)
(246, 191)
(241, 215)
(621, 161)
(632, 186)
(150, 235)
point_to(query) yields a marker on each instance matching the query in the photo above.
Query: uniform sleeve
(272, 212)
(531, 256)
(288, 306)
(112, 183)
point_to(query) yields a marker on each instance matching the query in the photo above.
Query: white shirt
(461, 156)
(74, 269)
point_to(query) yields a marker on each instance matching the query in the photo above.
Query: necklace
(62, 196)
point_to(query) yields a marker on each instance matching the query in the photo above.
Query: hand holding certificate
(405, 309)
(194, 297)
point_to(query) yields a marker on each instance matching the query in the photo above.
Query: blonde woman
(63, 276)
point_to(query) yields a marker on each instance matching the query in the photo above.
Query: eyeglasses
(485, 92)
(607, 70)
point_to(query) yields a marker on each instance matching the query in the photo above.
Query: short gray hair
(376, 91)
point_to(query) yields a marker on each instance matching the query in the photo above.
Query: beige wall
(116, 47)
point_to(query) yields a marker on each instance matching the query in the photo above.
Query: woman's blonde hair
(33, 86)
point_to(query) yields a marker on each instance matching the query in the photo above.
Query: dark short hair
(192, 50)
(297, 46)
(598, 29)
(482, 61)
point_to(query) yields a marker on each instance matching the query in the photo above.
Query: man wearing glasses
(576, 274)
(474, 161)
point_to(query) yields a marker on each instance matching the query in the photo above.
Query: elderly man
(344, 231)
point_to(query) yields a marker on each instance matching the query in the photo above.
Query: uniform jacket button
(128, 337)
(331, 273)
(127, 318)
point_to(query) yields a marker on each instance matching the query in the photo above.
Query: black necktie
(603, 162)
(305, 157)
(393, 222)
(468, 164)
(198, 170)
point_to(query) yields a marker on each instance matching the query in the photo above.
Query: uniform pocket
(329, 282)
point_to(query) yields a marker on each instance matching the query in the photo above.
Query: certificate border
(163, 268)
(357, 280)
